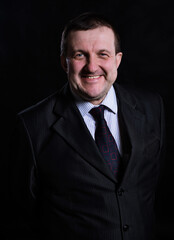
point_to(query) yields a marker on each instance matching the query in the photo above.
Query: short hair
(84, 22)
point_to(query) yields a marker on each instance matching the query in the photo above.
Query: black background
(30, 70)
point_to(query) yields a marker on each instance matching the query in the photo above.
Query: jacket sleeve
(162, 139)
(23, 181)
(159, 204)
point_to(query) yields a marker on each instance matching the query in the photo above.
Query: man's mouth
(91, 77)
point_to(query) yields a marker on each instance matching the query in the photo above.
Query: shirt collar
(110, 102)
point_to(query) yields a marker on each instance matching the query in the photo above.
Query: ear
(63, 63)
(118, 58)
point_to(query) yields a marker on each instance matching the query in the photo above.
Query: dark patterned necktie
(105, 141)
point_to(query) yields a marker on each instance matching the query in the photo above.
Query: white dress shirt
(110, 115)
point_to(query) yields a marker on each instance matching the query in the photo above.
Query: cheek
(111, 69)
(75, 67)
(110, 64)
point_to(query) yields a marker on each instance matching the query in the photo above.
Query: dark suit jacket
(61, 182)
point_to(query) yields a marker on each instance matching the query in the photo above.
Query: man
(67, 186)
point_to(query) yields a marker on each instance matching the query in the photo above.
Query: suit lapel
(71, 127)
(136, 128)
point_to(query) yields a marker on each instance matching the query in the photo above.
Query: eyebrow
(105, 50)
(82, 51)
(77, 50)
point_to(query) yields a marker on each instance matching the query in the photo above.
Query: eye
(104, 55)
(78, 55)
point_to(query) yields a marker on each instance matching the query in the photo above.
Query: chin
(97, 98)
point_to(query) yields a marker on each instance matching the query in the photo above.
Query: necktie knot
(97, 113)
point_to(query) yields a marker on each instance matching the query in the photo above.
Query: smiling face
(91, 63)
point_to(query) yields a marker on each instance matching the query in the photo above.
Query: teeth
(92, 77)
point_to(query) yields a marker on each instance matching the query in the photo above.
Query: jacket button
(125, 227)
(120, 192)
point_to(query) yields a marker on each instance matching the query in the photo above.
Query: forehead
(98, 37)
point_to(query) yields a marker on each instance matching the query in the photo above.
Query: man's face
(91, 63)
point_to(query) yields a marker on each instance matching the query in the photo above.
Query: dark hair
(87, 21)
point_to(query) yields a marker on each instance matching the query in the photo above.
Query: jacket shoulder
(44, 105)
(34, 123)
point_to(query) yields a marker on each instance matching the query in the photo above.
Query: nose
(91, 65)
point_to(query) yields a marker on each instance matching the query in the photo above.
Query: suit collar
(133, 118)
(125, 96)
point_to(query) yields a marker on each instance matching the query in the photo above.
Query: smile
(92, 77)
